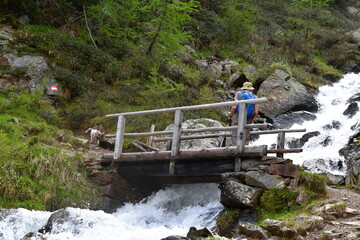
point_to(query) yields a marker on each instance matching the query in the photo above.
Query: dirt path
(340, 226)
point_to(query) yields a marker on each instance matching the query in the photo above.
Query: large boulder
(285, 94)
(237, 195)
(194, 143)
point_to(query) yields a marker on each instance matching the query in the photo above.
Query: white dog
(94, 135)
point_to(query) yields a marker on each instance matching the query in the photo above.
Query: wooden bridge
(177, 165)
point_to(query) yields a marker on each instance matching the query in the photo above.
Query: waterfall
(321, 153)
(171, 211)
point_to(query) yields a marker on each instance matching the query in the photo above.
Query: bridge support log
(175, 146)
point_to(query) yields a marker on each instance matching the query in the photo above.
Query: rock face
(285, 94)
(351, 152)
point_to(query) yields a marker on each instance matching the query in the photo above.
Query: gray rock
(234, 176)
(194, 233)
(351, 110)
(194, 143)
(335, 179)
(251, 73)
(236, 80)
(265, 180)
(351, 153)
(175, 237)
(253, 231)
(238, 195)
(354, 98)
(286, 120)
(285, 94)
(228, 67)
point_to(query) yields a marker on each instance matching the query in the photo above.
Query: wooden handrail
(176, 135)
(194, 107)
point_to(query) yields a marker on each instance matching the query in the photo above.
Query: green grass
(38, 169)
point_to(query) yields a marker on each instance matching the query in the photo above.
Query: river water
(175, 209)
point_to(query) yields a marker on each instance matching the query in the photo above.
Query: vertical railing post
(280, 144)
(175, 146)
(150, 138)
(119, 137)
(240, 137)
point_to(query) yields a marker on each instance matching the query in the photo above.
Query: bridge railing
(176, 133)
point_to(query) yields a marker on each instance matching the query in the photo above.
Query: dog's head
(88, 130)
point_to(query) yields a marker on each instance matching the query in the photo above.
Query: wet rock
(351, 110)
(266, 181)
(326, 141)
(194, 233)
(323, 165)
(351, 67)
(237, 195)
(298, 143)
(332, 125)
(226, 222)
(175, 237)
(286, 120)
(252, 231)
(33, 235)
(354, 98)
(57, 218)
(285, 94)
(356, 126)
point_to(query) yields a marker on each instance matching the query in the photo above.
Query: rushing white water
(174, 210)
(317, 156)
(171, 211)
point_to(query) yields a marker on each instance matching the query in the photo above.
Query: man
(253, 111)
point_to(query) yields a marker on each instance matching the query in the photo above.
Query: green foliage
(310, 4)
(278, 199)
(156, 25)
(238, 21)
(37, 171)
(78, 65)
(281, 66)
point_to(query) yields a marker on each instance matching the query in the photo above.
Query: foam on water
(174, 210)
(171, 211)
(333, 102)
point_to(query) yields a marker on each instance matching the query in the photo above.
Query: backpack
(250, 107)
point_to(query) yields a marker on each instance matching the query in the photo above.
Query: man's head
(247, 86)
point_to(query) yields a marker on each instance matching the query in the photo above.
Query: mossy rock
(278, 199)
